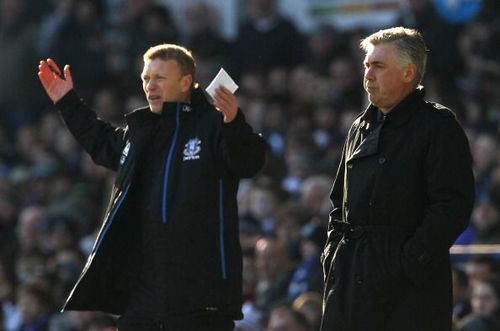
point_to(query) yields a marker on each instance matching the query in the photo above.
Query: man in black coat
(403, 193)
(168, 255)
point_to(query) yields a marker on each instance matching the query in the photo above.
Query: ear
(186, 82)
(410, 73)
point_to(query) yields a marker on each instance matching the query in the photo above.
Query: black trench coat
(400, 199)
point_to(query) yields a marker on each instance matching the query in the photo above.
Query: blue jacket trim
(221, 230)
(168, 164)
(111, 219)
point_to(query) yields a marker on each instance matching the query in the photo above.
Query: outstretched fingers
(55, 83)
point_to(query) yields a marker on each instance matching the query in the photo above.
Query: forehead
(381, 53)
(160, 66)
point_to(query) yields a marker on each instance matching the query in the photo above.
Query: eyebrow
(373, 63)
(156, 75)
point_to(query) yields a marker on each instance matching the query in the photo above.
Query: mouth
(154, 98)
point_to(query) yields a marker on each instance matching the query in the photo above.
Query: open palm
(54, 82)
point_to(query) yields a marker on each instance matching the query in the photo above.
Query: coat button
(381, 160)
(359, 281)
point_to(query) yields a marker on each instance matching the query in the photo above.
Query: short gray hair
(409, 44)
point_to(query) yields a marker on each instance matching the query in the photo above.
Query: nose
(149, 85)
(368, 74)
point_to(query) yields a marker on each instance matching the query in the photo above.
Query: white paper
(222, 78)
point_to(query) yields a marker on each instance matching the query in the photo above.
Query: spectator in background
(109, 103)
(252, 319)
(262, 208)
(314, 195)
(310, 304)
(343, 84)
(250, 233)
(288, 230)
(461, 295)
(155, 25)
(8, 219)
(284, 318)
(274, 271)
(76, 35)
(34, 304)
(486, 221)
(495, 185)
(205, 40)
(441, 38)
(266, 41)
(485, 151)
(485, 302)
(308, 275)
(323, 45)
(17, 39)
(482, 267)
(9, 317)
(29, 225)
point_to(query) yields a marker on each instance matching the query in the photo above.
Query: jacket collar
(396, 117)
(142, 121)
(403, 111)
(144, 116)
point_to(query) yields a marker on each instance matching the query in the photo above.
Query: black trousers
(186, 323)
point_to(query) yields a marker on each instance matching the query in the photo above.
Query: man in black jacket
(403, 193)
(167, 256)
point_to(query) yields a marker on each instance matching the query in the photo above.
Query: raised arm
(243, 150)
(103, 142)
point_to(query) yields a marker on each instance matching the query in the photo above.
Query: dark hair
(40, 292)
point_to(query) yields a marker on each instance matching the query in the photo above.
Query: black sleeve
(103, 142)
(450, 198)
(337, 198)
(243, 151)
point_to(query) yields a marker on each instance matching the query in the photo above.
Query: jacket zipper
(221, 230)
(168, 165)
(102, 234)
(111, 218)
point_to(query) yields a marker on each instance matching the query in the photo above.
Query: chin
(373, 101)
(155, 109)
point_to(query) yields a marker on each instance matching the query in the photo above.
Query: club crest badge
(192, 149)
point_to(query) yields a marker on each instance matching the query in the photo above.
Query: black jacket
(405, 191)
(198, 187)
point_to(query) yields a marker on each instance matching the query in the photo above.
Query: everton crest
(192, 149)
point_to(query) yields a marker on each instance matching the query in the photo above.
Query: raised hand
(226, 103)
(55, 83)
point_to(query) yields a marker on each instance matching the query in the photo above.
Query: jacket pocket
(384, 274)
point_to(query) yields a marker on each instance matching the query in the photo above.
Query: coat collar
(144, 116)
(396, 117)
(141, 122)
(404, 110)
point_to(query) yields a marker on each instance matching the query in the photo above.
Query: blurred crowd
(301, 90)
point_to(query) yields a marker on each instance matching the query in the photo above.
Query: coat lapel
(368, 146)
